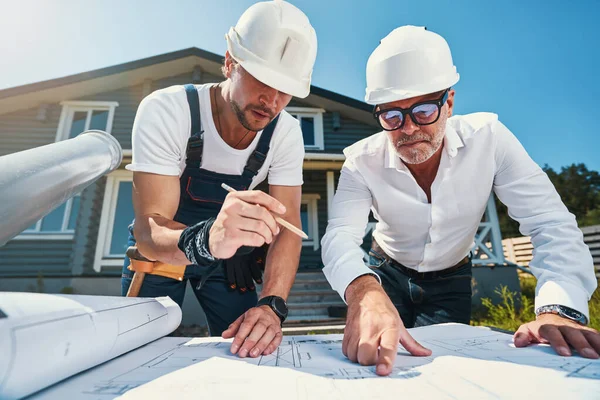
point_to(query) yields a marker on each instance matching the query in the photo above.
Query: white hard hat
(411, 61)
(275, 42)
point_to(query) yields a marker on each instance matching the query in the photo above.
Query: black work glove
(245, 268)
(194, 243)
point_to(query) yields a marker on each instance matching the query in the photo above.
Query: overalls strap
(196, 141)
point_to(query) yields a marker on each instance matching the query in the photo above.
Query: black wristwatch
(277, 304)
(565, 312)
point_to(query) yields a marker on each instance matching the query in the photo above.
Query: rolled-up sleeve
(159, 131)
(348, 218)
(561, 262)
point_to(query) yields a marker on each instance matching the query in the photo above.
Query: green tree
(591, 218)
(579, 189)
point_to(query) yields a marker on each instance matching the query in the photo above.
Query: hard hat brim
(276, 79)
(389, 95)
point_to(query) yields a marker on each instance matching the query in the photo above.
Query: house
(80, 246)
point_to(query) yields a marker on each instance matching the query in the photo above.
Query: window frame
(312, 230)
(70, 107)
(317, 115)
(63, 234)
(102, 257)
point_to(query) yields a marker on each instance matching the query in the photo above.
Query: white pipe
(35, 182)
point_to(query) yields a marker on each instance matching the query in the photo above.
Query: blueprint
(45, 338)
(467, 362)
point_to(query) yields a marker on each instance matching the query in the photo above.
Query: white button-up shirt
(480, 154)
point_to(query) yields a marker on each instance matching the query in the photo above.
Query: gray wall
(33, 257)
(349, 131)
(23, 130)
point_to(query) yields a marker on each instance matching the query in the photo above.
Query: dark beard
(242, 117)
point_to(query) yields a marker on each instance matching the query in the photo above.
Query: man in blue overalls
(188, 140)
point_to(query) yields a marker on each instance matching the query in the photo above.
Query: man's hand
(560, 333)
(257, 331)
(244, 220)
(374, 328)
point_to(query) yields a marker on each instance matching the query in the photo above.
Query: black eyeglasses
(424, 113)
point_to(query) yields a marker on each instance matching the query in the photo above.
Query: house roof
(156, 67)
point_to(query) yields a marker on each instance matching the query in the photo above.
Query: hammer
(138, 277)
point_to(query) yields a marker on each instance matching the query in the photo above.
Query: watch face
(573, 314)
(570, 313)
(280, 306)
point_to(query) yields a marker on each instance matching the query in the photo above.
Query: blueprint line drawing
(467, 362)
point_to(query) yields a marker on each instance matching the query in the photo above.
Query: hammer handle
(136, 284)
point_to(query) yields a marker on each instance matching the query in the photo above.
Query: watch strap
(562, 311)
(269, 301)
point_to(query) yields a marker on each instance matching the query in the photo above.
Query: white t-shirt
(162, 128)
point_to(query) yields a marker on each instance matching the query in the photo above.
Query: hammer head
(134, 254)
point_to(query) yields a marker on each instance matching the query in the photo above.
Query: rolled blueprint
(45, 338)
(35, 182)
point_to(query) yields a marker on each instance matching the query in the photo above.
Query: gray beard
(418, 156)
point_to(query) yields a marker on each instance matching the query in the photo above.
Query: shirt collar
(391, 157)
(452, 142)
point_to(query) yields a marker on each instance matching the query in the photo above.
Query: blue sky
(532, 62)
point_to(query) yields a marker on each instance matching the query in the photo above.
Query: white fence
(519, 250)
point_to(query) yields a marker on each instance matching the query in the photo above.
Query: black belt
(378, 252)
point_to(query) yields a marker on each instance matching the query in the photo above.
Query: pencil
(280, 220)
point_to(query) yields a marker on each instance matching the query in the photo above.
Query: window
(311, 122)
(117, 214)
(59, 224)
(309, 216)
(79, 116)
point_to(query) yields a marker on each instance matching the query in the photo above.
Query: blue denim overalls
(201, 197)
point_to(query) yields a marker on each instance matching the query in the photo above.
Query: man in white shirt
(427, 178)
(188, 140)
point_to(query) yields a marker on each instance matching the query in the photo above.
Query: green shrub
(595, 310)
(506, 316)
(67, 290)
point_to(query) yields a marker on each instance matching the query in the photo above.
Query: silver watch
(565, 312)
